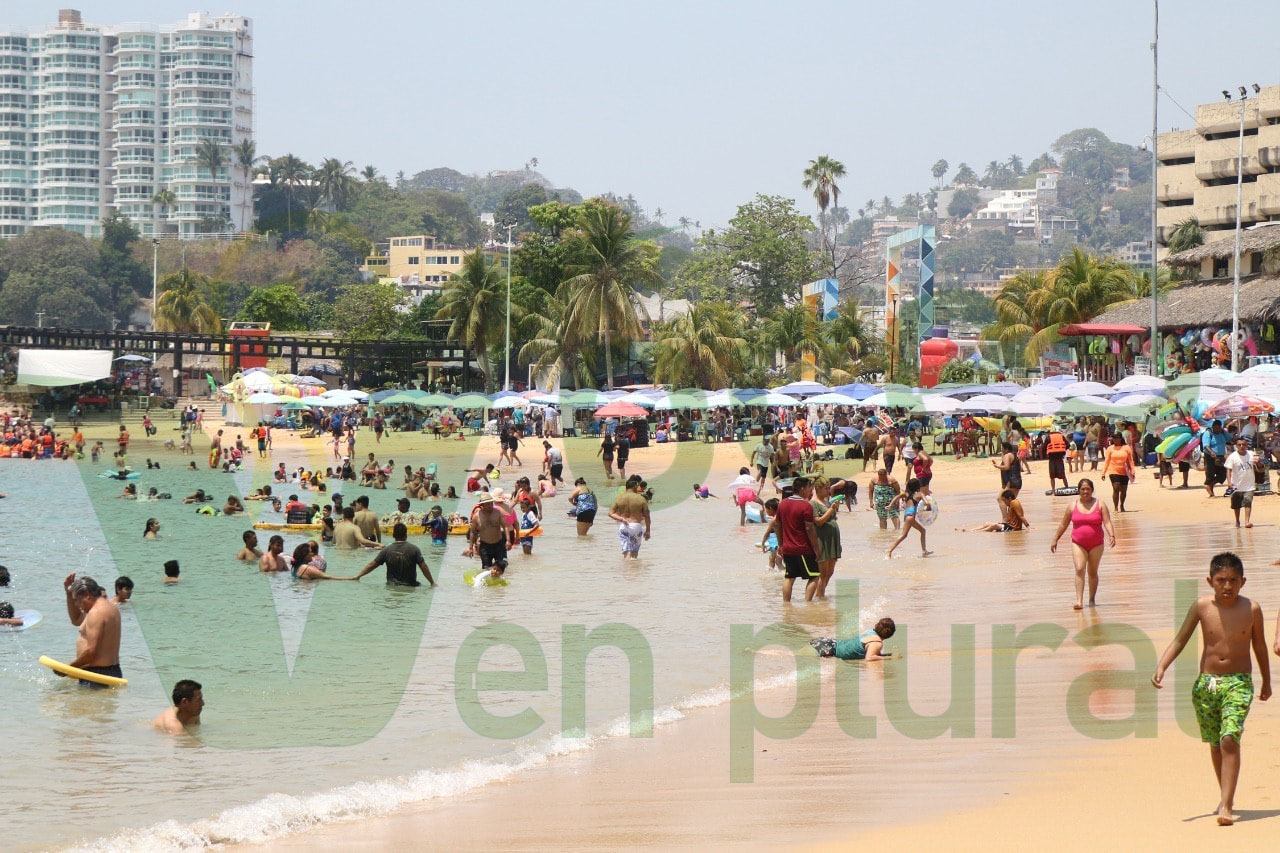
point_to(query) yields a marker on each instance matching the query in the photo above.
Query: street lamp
(1155, 102)
(1235, 284)
(506, 353)
(155, 268)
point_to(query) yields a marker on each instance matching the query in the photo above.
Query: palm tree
(820, 177)
(701, 349)
(965, 176)
(1014, 163)
(600, 291)
(369, 173)
(334, 178)
(795, 332)
(1187, 234)
(211, 155)
(886, 205)
(289, 171)
(657, 215)
(182, 307)
(545, 348)
(685, 222)
(939, 169)
(993, 174)
(474, 299)
(165, 198)
(849, 331)
(246, 156)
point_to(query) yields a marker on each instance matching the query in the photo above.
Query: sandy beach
(822, 788)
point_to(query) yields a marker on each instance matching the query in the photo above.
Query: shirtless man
(250, 552)
(98, 646)
(188, 702)
(347, 535)
(273, 560)
(631, 511)
(215, 450)
(870, 444)
(889, 449)
(490, 534)
(366, 519)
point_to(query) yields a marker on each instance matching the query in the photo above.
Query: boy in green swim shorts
(1230, 624)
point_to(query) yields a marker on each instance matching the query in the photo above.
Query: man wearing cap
(490, 533)
(98, 645)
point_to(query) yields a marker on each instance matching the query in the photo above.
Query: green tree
(1014, 165)
(762, 257)
(371, 311)
(1187, 234)
(165, 198)
(514, 208)
(125, 276)
(544, 346)
(335, 180)
(600, 291)
(369, 173)
(475, 303)
(963, 201)
(965, 176)
(287, 173)
(280, 305)
(183, 304)
(939, 170)
(702, 348)
(57, 273)
(211, 156)
(795, 332)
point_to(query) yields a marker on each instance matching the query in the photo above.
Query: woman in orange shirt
(1118, 467)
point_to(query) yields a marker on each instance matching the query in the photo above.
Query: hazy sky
(694, 106)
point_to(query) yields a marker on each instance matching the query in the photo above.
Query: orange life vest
(1057, 444)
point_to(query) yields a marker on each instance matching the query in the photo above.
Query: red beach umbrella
(620, 409)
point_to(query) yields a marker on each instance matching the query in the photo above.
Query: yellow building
(422, 259)
(1196, 172)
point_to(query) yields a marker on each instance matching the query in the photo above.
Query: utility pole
(155, 269)
(506, 353)
(1155, 105)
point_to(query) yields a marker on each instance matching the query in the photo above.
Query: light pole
(155, 268)
(506, 353)
(1155, 104)
(1235, 284)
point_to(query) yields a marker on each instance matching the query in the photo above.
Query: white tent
(51, 367)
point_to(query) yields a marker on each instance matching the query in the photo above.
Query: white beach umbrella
(1080, 389)
(1086, 404)
(1140, 383)
(834, 398)
(264, 398)
(776, 398)
(509, 401)
(1034, 407)
(985, 403)
(1035, 392)
(937, 404)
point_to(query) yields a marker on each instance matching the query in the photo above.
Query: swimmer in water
(124, 590)
(273, 560)
(171, 572)
(188, 702)
(7, 617)
(250, 552)
(631, 511)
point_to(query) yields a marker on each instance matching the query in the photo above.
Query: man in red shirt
(798, 537)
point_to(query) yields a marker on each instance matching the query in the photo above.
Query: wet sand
(824, 788)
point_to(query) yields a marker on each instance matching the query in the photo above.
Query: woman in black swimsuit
(606, 452)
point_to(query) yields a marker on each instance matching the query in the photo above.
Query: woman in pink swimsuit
(1088, 518)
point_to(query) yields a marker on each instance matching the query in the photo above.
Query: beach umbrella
(1056, 381)
(379, 396)
(777, 398)
(436, 399)
(1081, 389)
(397, 400)
(1087, 404)
(544, 398)
(1137, 398)
(1034, 393)
(264, 398)
(1034, 407)
(615, 394)
(1263, 370)
(1239, 406)
(857, 390)
(294, 406)
(802, 388)
(346, 392)
(583, 398)
(1140, 383)
(132, 357)
(640, 399)
(937, 404)
(471, 400)
(1214, 378)
(985, 403)
(509, 401)
(620, 409)
(833, 398)
(688, 398)
(719, 398)
(1190, 398)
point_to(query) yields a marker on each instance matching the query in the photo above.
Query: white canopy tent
(51, 367)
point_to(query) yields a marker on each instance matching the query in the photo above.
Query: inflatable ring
(927, 511)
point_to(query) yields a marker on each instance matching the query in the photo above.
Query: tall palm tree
(849, 331)
(182, 307)
(1187, 234)
(939, 169)
(369, 173)
(820, 177)
(794, 332)
(474, 299)
(965, 175)
(211, 155)
(600, 291)
(288, 172)
(994, 173)
(701, 349)
(334, 178)
(246, 156)
(1014, 164)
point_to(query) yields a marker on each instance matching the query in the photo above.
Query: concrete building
(1196, 172)
(1138, 254)
(101, 118)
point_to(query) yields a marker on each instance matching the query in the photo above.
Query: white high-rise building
(101, 118)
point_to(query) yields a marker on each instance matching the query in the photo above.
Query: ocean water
(328, 700)
(332, 701)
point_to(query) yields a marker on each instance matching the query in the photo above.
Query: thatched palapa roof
(1257, 239)
(1205, 303)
